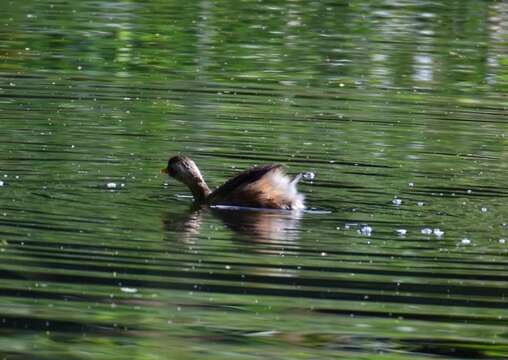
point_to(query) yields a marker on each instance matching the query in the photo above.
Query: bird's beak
(165, 171)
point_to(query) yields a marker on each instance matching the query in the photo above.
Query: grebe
(260, 186)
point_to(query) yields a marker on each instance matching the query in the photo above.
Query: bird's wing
(246, 188)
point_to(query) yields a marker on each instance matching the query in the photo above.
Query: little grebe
(261, 186)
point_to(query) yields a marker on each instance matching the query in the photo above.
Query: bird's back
(262, 187)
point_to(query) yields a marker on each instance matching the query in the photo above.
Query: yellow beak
(165, 171)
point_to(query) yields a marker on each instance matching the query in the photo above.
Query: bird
(258, 187)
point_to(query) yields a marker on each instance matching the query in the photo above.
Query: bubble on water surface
(401, 232)
(483, 209)
(365, 230)
(465, 241)
(438, 232)
(111, 185)
(1, 183)
(397, 202)
(309, 175)
(502, 241)
(426, 231)
(129, 290)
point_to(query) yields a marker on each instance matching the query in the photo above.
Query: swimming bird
(259, 187)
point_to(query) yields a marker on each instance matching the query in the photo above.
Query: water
(398, 108)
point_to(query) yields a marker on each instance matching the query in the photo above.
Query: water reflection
(187, 225)
(253, 225)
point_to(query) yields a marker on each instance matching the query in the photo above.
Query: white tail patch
(286, 188)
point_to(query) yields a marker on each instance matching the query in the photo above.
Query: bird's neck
(199, 190)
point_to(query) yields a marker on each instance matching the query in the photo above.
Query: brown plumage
(260, 187)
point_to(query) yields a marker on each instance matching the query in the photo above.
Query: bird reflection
(258, 225)
(187, 225)
(261, 225)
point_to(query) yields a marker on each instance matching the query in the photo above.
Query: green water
(398, 107)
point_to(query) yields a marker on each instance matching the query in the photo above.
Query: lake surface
(398, 107)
